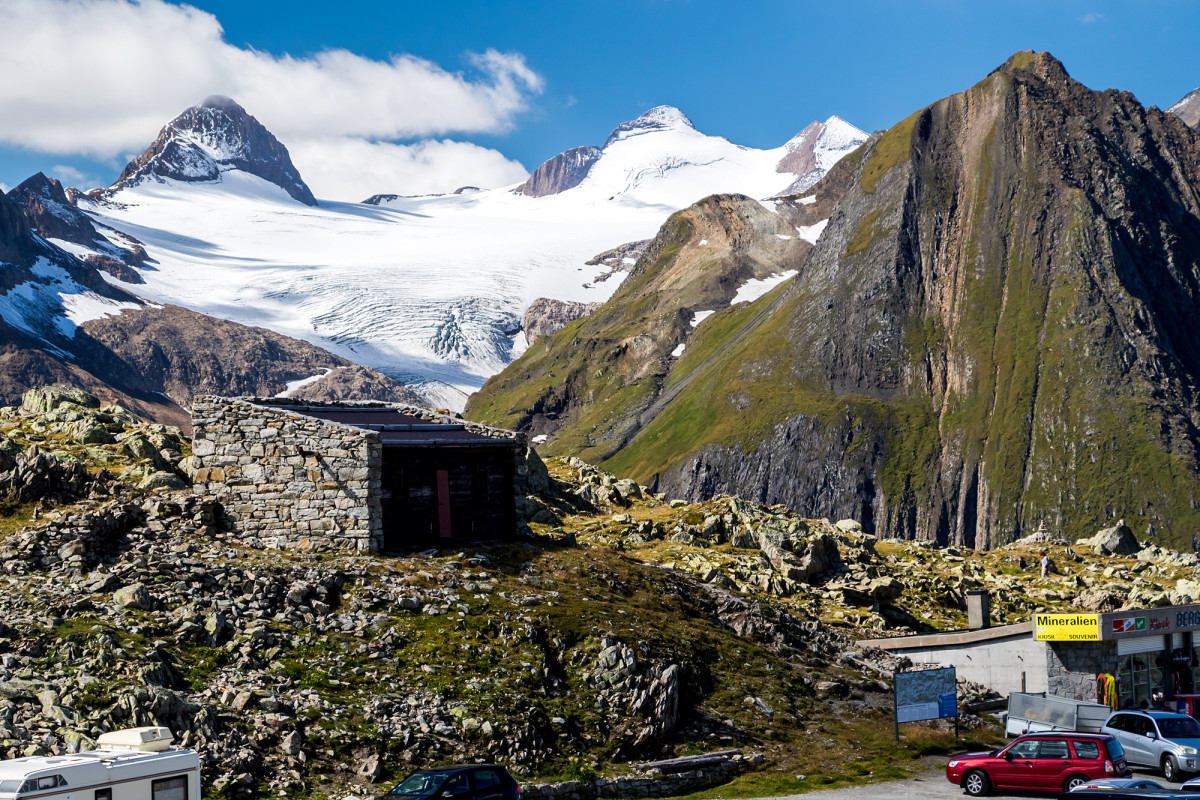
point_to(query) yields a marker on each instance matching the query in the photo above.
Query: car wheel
(1073, 782)
(1169, 770)
(976, 783)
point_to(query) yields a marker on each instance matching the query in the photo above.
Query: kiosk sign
(1068, 627)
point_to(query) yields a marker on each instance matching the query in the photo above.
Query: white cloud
(1092, 18)
(353, 169)
(66, 173)
(101, 77)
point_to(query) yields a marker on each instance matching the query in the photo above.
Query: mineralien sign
(1067, 627)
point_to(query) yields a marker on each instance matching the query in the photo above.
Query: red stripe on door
(443, 480)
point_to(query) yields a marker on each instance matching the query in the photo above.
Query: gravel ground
(930, 785)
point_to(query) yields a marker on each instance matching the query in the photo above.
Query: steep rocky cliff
(560, 173)
(992, 331)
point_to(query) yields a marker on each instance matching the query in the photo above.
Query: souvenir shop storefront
(1127, 659)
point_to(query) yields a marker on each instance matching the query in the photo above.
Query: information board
(925, 694)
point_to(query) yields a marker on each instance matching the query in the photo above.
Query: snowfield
(430, 290)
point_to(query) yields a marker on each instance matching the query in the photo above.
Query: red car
(1055, 761)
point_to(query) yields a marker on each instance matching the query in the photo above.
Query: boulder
(162, 480)
(48, 398)
(134, 596)
(1117, 541)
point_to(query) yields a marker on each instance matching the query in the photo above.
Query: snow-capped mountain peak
(810, 153)
(659, 118)
(213, 138)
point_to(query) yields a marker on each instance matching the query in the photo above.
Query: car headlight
(952, 764)
(1190, 751)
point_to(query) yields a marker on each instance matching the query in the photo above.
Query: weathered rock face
(547, 316)
(565, 171)
(993, 331)
(1188, 109)
(209, 138)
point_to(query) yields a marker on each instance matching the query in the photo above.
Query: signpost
(925, 694)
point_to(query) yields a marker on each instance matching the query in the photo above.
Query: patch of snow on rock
(701, 316)
(678, 351)
(807, 201)
(810, 233)
(293, 386)
(753, 289)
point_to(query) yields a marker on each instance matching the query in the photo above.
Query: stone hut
(362, 476)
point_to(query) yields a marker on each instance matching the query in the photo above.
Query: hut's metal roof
(397, 428)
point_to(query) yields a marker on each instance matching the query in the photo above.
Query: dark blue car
(460, 782)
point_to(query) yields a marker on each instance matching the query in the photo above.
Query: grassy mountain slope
(992, 332)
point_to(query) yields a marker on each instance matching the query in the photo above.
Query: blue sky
(564, 74)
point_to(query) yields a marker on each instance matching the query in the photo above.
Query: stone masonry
(289, 480)
(285, 479)
(1072, 667)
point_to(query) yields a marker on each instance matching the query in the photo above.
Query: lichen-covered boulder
(48, 398)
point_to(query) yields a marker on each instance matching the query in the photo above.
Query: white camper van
(134, 764)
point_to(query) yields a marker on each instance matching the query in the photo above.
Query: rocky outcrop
(1188, 109)
(565, 171)
(547, 316)
(208, 139)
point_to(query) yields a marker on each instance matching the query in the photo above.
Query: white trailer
(133, 764)
(1032, 713)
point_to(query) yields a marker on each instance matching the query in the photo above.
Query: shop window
(1139, 677)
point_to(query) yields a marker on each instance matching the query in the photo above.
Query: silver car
(1162, 739)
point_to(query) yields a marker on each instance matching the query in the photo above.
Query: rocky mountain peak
(1041, 64)
(214, 137)
(1188, 109)
(659, 118)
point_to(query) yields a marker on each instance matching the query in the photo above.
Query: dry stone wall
(285, 479)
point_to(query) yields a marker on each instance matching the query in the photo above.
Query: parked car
(1045, 762)
(1127, 793)
(460, 782)
(1162, 739)
(1119, 783)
